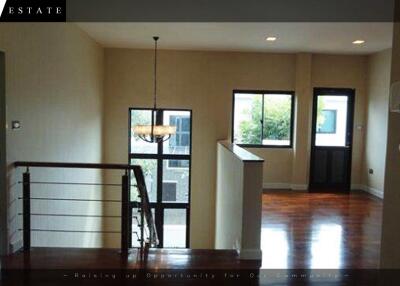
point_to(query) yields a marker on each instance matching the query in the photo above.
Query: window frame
(263, 92)
(159, 206)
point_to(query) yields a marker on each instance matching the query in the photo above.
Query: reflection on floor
(320, 231)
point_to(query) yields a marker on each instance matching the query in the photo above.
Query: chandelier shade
(154, 133)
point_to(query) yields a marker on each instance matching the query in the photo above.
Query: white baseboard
(299, 187)
(276, 186)
(285, 186)
(250, 254)
(375, 192)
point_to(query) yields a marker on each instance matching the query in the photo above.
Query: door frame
(350, 93)
(159, 206)
(3, 159)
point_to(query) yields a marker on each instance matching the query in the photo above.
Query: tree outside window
(263, 119)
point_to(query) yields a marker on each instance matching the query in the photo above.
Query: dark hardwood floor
(299, 231)
(94, 258)
(320, 230)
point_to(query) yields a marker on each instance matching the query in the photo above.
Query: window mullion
(262, 119)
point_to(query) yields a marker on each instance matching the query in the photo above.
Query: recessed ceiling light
(271, 39)
(358, 42)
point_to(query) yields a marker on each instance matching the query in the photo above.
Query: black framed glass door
(332, 139)
(167, 170)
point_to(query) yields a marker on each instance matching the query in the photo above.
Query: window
(263, 118)
(327, 122)
(181, 140)
(167, 167)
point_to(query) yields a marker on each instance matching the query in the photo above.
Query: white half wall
(238, 201)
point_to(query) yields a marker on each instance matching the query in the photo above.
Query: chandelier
(154, 133)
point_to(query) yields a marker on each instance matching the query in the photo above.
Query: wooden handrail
(73, 165)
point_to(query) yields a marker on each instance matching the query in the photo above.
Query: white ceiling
(292, 37)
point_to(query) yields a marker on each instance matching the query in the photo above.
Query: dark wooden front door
(332, 138)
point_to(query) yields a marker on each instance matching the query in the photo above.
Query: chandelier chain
(155, 72)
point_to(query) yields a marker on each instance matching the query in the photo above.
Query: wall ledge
(240, 153)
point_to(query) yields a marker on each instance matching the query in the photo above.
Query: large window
(263, 118)
(166, 168)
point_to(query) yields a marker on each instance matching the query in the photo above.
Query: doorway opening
(332, 139)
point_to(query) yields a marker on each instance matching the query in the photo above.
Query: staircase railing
(147, 235)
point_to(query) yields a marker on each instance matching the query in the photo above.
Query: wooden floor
(299, 231)
(320, 231)
(74, 258)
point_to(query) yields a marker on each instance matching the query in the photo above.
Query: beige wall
(54, 86)
(203, 82)
(390, 250)
(377, 116)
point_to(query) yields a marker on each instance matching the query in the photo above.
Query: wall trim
(302, 187)
(276, 186)
(375, 192)
(285, 186)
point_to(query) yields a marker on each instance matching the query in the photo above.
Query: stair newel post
(141, 223)
(125, 194)
(26, 209)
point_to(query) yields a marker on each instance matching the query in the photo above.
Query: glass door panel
(331, 127)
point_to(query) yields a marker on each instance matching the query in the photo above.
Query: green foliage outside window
(277, 113)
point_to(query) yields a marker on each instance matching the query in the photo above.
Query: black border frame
(262, 92)
(351, 94)
(159, 156)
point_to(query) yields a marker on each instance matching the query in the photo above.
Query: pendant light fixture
(154, 133)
